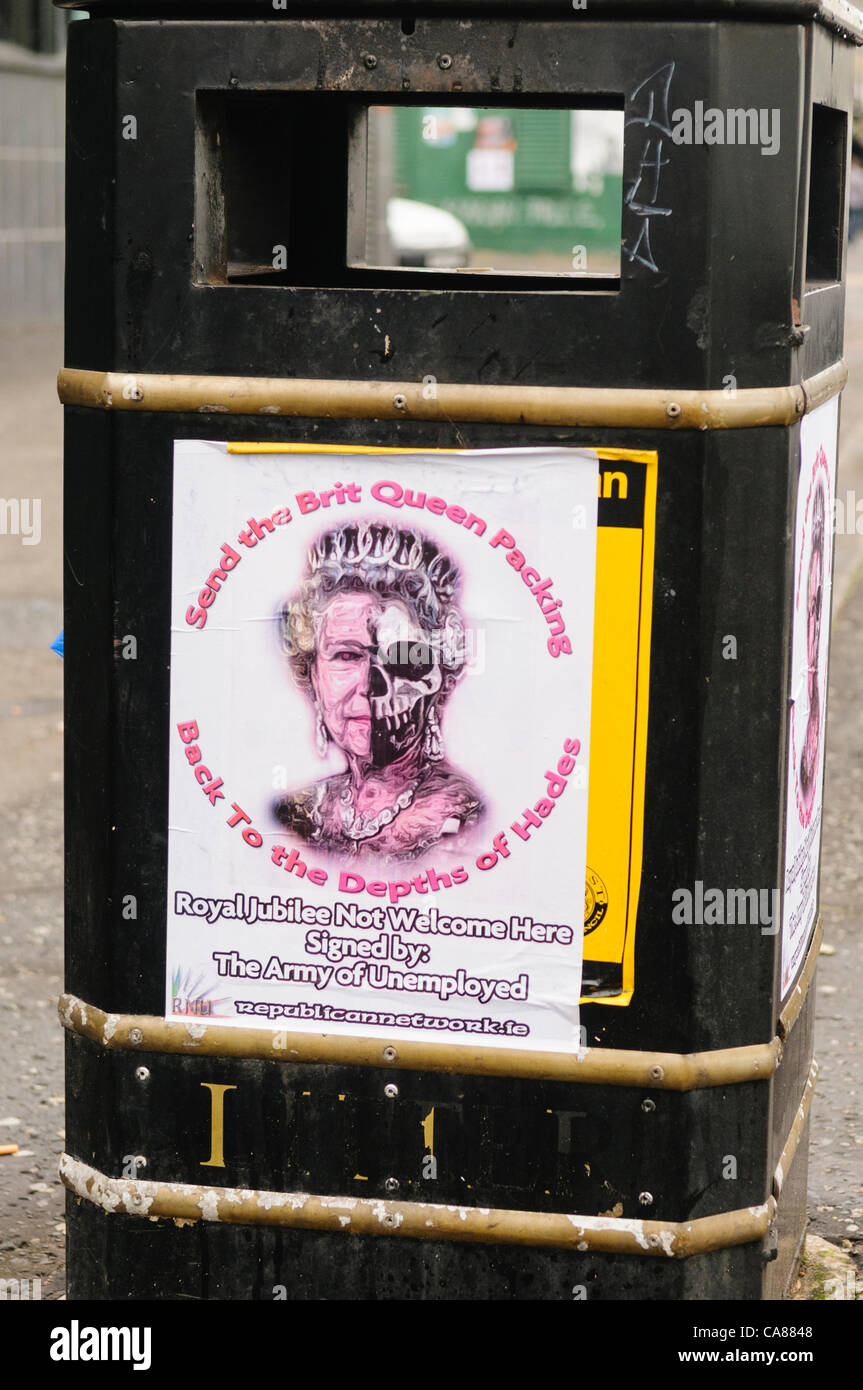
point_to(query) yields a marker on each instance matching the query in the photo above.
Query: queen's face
(340, 678)
(374, 672)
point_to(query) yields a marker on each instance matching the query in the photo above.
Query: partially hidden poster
(407, 740)
(810, 636)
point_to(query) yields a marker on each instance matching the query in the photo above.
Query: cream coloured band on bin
(567, 406)
(665, 1071)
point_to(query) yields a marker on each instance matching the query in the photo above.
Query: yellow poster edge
(607, 455)
(636, 858)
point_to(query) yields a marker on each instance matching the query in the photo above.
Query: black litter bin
(247, 297)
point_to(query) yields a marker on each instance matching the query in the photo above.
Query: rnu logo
(735, 126)
(76, 1343)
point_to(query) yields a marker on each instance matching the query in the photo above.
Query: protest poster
(381, 677)
(813, 580)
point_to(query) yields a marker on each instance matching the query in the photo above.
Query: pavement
(31, 826)
(836, 1144)
(31, 888)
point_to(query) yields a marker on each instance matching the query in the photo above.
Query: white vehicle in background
(422, 235)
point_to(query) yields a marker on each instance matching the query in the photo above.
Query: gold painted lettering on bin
(367, 1216)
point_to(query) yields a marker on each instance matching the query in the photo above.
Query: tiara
(371, 545)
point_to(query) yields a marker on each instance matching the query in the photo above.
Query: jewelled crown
(371, 545)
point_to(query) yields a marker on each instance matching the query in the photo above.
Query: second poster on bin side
(380, 729)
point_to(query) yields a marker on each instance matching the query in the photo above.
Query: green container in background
(543, 187)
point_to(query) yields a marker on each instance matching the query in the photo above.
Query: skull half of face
(405, 675)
